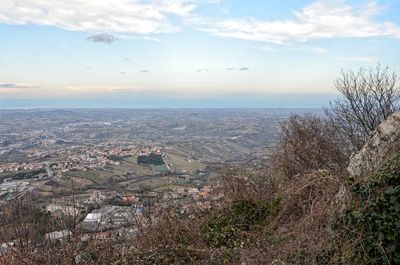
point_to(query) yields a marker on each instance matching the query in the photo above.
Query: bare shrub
(240, 184)
(23, 227)
(171, 239)
(171, 230)
(301, 232)
(369, 96)
(309, 143)
(30, 235)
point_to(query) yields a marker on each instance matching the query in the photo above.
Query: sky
(189, 53)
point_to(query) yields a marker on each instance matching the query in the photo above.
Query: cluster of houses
(81, 158)
(15, 167)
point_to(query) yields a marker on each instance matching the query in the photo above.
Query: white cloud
(294, 48)
(268, 48)
(99, 89)
(180, 8)
(312, 49)
(319, 20)
(99, 16)
(361, 59)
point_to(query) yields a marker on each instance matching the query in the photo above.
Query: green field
(130, 175)
(181, 163)
(100, 176)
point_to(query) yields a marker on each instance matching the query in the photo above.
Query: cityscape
(179, 132)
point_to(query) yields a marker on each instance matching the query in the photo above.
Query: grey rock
(383, 146)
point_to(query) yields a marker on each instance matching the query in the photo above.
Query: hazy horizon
(277, 101)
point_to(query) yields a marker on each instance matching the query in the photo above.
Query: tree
(368, 97)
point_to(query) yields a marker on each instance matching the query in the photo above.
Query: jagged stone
(383, 146)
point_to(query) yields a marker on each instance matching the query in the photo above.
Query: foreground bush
(224, 230)
(373, 220)
(307, 144)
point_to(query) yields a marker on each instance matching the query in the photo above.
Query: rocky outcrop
(382, 147)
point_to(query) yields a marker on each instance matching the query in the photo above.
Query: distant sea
(282, 101)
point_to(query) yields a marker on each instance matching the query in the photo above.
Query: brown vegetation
(301, 232)
(309, 143)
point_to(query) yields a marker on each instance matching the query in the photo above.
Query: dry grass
(239, 184)
(302, 230)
